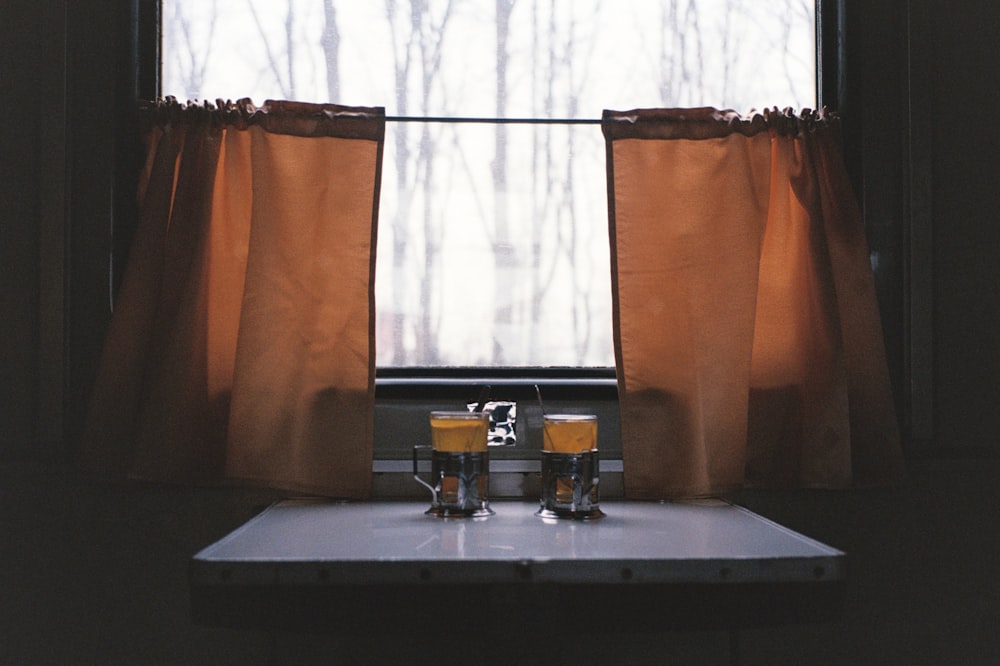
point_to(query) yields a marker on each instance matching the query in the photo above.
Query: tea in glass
(568, 433)
(459, 464)
(570, 467)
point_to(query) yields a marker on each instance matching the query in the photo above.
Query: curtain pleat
(747, 336)
(242, 344)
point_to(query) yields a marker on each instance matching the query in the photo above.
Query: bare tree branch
(272, 60)
(194, 67)
(330, 42)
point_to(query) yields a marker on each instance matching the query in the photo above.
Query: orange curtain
(241, 348)
(747, 336)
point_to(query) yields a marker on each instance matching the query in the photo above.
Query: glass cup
(460, 477)
(570, 465)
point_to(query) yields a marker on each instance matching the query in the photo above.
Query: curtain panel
(747, 335)
(241, 348)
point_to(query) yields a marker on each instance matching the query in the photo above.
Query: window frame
(441, 382)
(838, 88)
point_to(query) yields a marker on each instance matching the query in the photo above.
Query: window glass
(493, 244)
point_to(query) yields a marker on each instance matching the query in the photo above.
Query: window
(493, 246)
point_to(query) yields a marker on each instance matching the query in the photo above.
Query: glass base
(446, 512)
(592, 513)
(569, 486)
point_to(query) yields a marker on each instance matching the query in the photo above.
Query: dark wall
(20, 64)
(966, 230)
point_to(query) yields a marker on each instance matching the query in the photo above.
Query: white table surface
(305, 542)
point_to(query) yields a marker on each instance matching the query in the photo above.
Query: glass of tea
(460, 478)
(570, 464)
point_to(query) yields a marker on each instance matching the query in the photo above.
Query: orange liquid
(569, 436)
(449, 489)
(459, 435)
(564, 491)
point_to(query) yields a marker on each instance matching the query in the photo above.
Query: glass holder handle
(416, 473)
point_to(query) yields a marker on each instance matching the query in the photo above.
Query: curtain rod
(494, 121)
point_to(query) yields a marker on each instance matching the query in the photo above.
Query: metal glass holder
(461, 483)
(570, 486)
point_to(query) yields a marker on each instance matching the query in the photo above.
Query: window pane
(493, 242)
(479, 269)
(563, 58)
